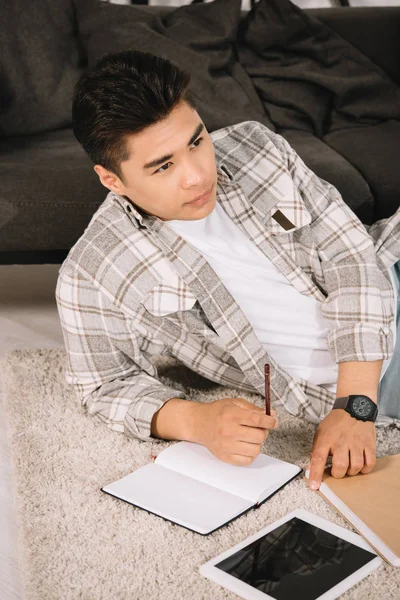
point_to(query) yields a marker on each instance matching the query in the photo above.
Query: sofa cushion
(374, 152)
(308, 77)
(49, 191)
(373, 31)
(40, 62)
(199, 38)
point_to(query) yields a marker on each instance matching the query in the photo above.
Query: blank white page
(253, 482)
(178, 498)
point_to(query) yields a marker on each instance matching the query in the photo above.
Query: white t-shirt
(289, 325)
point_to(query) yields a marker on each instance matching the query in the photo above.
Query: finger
(246, 406)
(252, 435)
(262, 409)
(356, 461)
(251, 418)
(273, 414)
(319, 456)
(246, 449)
(241, 403)
(258, 408)
(340, 462)
(369, 460)
(240, 460)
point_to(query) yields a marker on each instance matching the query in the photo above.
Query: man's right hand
(233, 429)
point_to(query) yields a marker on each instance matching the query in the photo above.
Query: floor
(28, 319)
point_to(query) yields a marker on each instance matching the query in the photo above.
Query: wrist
(177, 419)
(359, 378)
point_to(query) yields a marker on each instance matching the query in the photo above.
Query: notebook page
(251, 482)
(178, 498)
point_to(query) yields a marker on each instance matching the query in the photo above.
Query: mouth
(202, 199)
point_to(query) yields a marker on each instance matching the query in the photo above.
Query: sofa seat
(55, 196)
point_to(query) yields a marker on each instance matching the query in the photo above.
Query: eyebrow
(163, 159)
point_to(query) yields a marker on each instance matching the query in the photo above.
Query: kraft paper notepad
(370, 503)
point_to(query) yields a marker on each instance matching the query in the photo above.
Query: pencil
(267, 390)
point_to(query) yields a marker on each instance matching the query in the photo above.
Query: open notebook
(370, 503)
(189, 486)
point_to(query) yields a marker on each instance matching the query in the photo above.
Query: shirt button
(128, 208)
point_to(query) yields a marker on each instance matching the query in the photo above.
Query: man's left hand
(350, 442)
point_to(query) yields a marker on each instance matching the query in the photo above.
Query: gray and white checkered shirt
(132, 288)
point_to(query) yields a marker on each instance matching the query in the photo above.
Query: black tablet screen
(296, 560)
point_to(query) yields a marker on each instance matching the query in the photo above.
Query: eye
(161, 169)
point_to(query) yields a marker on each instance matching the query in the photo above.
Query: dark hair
(123, 94)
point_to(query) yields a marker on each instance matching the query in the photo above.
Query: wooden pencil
(267, 390)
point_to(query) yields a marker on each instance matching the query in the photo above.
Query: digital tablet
(301, 556)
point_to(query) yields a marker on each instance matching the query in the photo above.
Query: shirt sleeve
(114, 379)
(359, 303)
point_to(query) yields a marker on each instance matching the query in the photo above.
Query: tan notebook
(371, 504)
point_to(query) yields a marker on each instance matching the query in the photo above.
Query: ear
(108, 179)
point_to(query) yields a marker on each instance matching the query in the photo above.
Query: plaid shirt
(132, 288)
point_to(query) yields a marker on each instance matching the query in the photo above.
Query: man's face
(171, 163)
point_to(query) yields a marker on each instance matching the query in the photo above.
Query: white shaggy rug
(77, 542)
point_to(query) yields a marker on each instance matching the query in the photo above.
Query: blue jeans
(389, 387)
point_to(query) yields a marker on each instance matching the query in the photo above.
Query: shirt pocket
(169, 297)
(287, 216)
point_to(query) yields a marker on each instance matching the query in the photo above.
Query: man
(226, 252)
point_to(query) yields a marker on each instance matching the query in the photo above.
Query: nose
(193, 177)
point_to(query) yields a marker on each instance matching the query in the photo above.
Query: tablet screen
(296, 560)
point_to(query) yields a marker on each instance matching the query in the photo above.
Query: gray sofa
(49, 189)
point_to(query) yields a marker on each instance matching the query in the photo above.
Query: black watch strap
(341, 402)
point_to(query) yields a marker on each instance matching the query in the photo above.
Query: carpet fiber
(77, 542)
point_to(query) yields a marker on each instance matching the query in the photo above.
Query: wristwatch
(358, 406)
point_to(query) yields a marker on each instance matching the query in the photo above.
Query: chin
(210, 207)
(205, 210)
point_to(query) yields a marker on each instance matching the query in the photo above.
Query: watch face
(362, 406)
